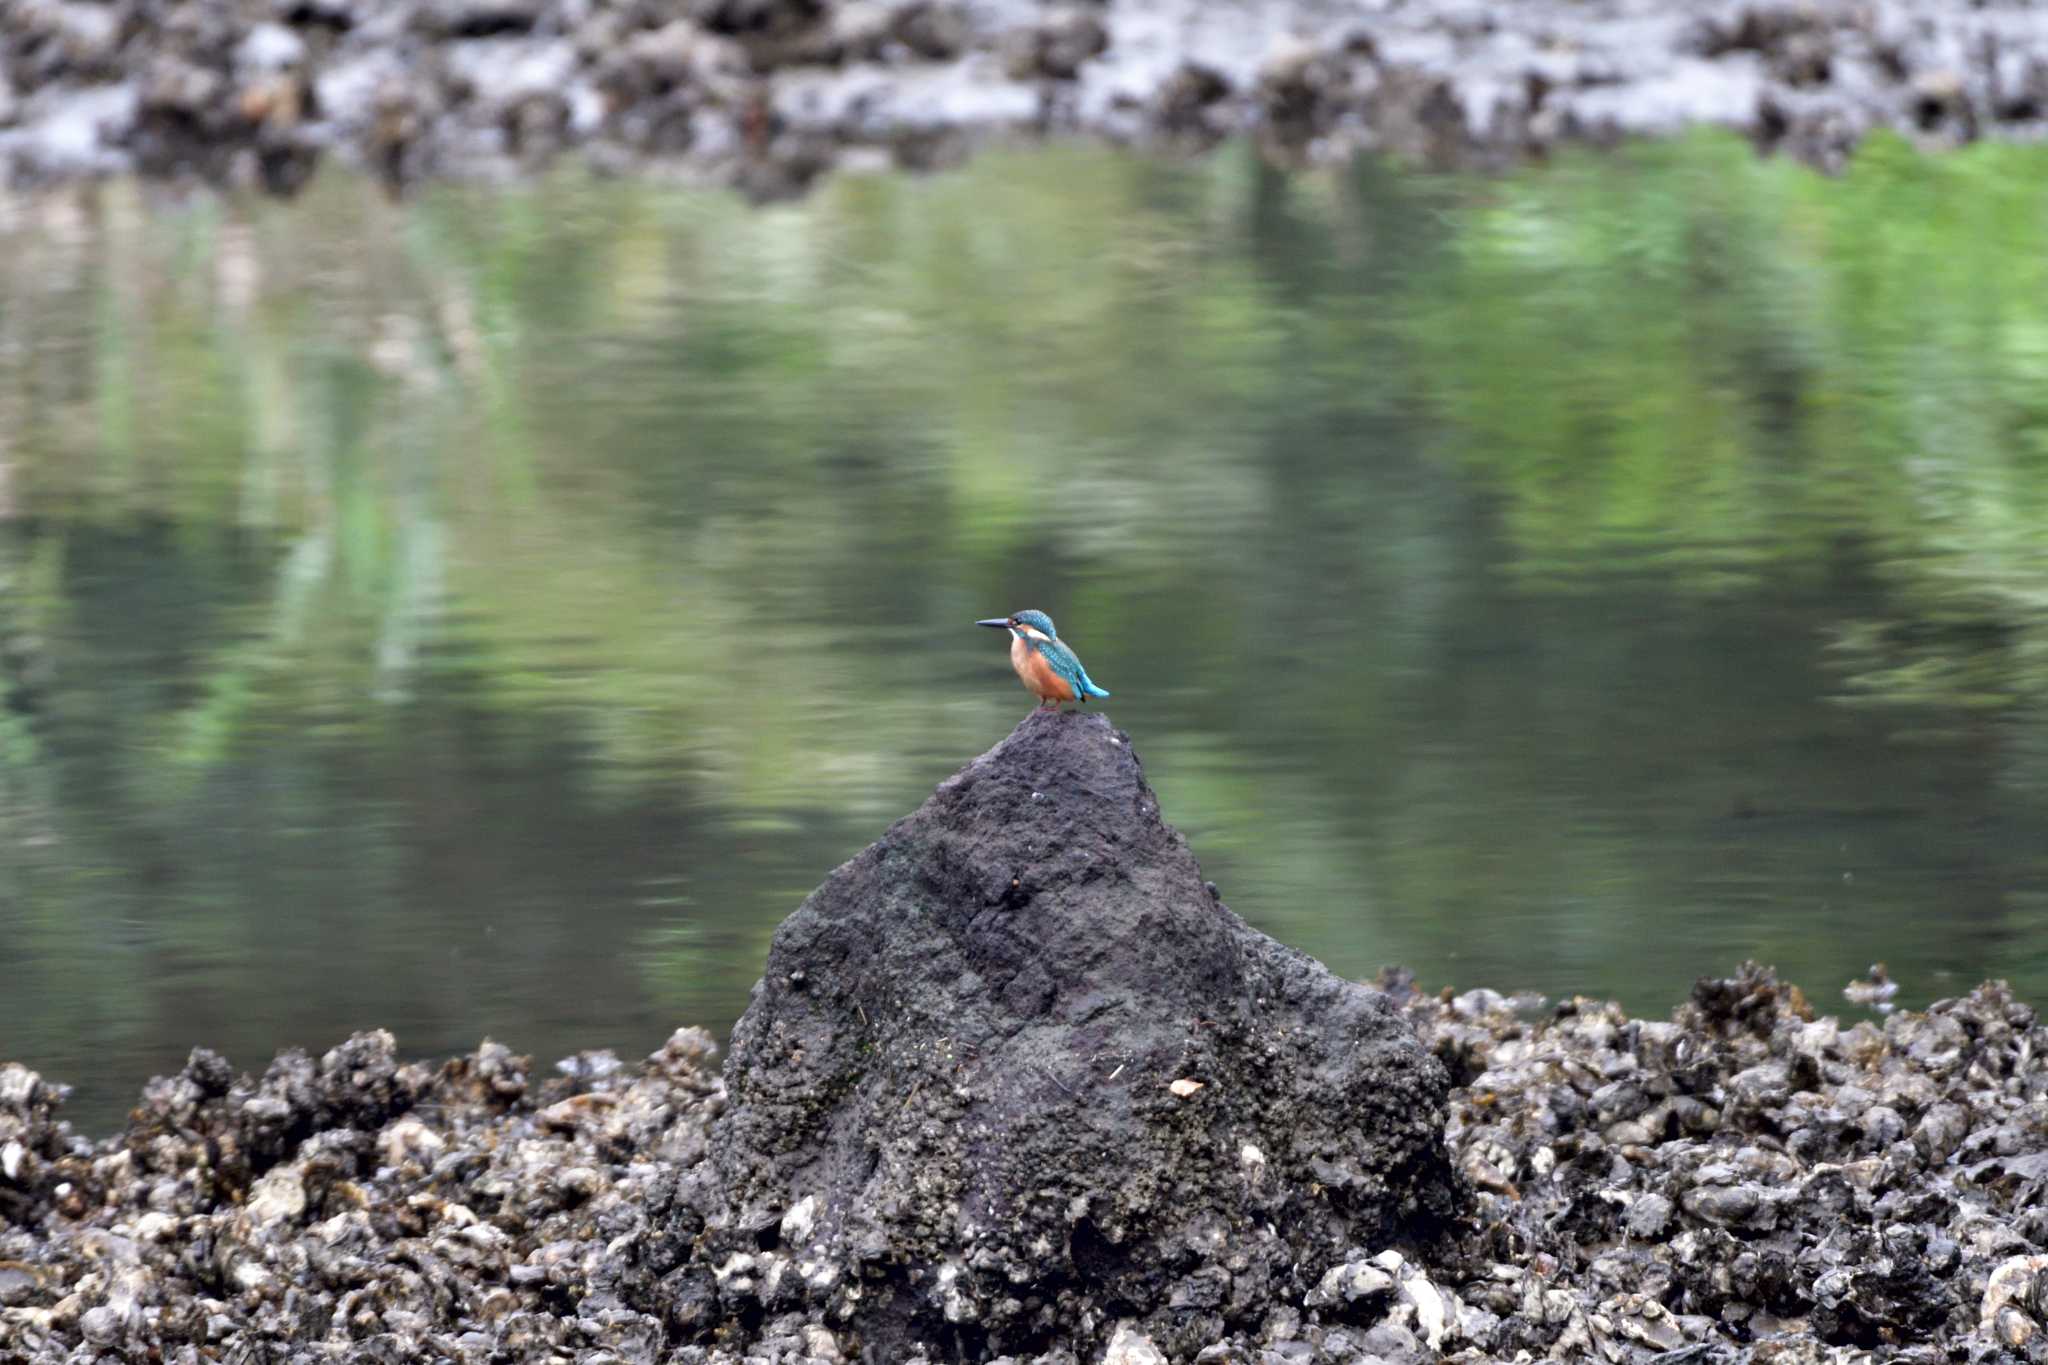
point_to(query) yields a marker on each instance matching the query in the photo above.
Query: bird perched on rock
(1052, 671)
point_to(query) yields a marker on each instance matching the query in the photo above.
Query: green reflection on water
(492, 613)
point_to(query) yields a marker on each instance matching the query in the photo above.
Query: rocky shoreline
(769, 94)
(1744, 1181)
(1017, 1086)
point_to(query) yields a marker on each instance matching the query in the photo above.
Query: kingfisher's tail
(1088, 688)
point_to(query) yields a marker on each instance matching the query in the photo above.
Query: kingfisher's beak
(998, 622)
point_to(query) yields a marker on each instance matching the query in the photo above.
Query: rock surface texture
(767, 94)
(1016, 1077)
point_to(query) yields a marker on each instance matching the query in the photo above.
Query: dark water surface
(491, 614)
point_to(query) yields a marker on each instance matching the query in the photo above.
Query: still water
(490, 614)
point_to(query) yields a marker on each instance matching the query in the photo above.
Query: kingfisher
(1052, 671)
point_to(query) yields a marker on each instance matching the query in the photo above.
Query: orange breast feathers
(1036, 673)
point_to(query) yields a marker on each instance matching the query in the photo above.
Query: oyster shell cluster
(767, 94)
(1744, 1181)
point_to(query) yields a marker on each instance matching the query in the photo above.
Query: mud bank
(1017, 1086)
(768, 94)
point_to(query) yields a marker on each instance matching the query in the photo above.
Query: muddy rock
(1015, 1074)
